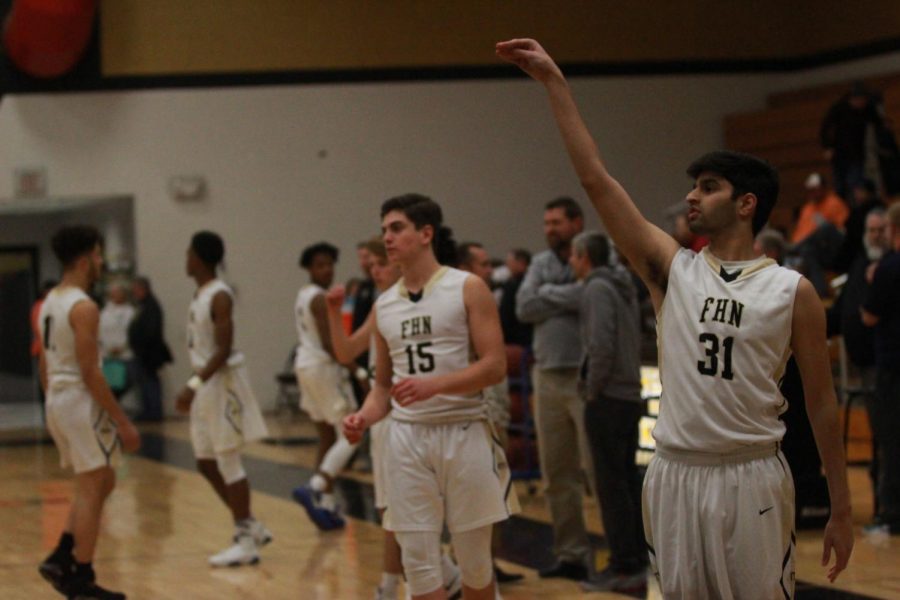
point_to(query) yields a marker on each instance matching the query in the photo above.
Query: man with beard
(559, 412)
(87, 424)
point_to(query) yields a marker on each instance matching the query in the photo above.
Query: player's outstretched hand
(128, 435)
(413, 389)
(334, 299)
(353, 425)
(529, 56)
(839, 537)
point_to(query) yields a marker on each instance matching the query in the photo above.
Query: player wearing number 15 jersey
(717, 499)
(438, 344)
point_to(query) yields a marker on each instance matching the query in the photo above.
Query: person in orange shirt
(822, 206)
(819, 231)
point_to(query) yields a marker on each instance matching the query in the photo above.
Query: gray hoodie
(609, 319)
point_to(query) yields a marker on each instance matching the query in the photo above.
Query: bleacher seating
(786, 133)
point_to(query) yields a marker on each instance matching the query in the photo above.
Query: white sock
(318, 483)
(337, 457)
(389, 582)
(327, 501)
(449, 570)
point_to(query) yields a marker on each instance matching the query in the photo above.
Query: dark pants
(847, 175)
(612, 431)
(151, 392)
(885, 415)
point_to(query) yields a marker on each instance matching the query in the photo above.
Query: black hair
(522, 254)
(868, 185)
(569, 206)
(464, 252)
(209, 248)
(309, 253)
(74, 241)
(422, 211)
(747, 174)
(142, 281)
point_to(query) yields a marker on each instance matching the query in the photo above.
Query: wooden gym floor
(163, 522)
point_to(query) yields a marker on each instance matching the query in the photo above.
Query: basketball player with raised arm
(718, 499)
(326, 394)
(438, 344)
(86, 423)
(223, 409)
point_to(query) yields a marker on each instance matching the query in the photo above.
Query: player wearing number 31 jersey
(718, 500)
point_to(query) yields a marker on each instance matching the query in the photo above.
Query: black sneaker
(608, 580)
(566, 570)
(92, 591)
(503, 577)
(54, 569)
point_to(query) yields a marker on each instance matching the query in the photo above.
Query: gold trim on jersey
(713, 261)
(404, 293)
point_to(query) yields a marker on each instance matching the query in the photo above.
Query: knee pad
(421, 556)
(230, 466)
(473, 555)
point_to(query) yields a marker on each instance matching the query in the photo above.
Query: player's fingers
(516, 43)
(826, 550)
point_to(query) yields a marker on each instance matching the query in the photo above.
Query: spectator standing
(609, 319)
(145, 337)
(115, 317)
(881, 309)
(514, 331)
(559, 414)
(843, 137)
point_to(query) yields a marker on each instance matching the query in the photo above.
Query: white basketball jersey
(310, 353)
(723, 348)
(201, 329)
(430, 337)
(57, 336)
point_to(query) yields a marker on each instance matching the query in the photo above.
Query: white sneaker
(243, 552)
(261, 535)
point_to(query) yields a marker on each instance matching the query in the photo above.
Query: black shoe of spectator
(503, 577)
(566, 570)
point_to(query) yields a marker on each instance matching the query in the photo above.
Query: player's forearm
(376, 405)
(99, 390)
(346, 348)
(216, 362)
(486, 371)
(823, 418)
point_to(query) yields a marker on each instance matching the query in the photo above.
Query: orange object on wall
(47, 38)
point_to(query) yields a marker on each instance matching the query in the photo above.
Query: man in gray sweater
(609, 319)
(549, 298)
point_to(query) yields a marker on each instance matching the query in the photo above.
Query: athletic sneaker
(92, 591)
(323, 518)
(54, 569)
(243, 552)
(608, 580)
(261, 535)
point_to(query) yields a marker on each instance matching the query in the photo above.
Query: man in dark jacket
(609, 320)
(145, 336)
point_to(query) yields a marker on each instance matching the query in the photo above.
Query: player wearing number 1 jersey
(438, 344)
(718, 498)
(87, 424)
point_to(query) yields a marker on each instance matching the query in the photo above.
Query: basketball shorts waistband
(711, 459)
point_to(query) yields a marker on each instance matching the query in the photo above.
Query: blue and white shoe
(323, 518)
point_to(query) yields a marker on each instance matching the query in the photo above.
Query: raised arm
(645, 245)
(346, 347)
(85, 320)
(811, 351)
(488, 368)
(378, 400)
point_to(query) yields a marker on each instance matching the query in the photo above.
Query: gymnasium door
(18, 276)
